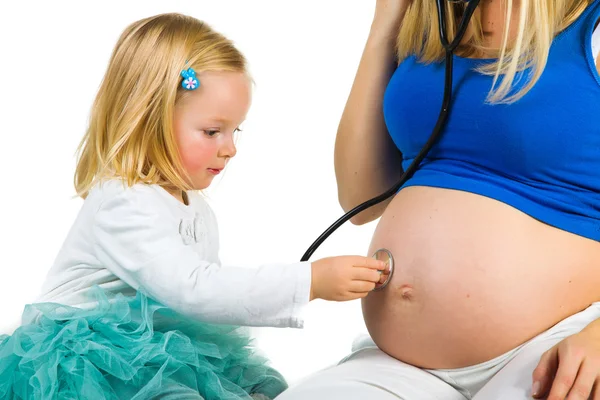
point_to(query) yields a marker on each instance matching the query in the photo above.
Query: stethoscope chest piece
(386, 256)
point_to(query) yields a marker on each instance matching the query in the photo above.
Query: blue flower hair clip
(190, 82)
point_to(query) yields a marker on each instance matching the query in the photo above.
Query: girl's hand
(345, 277)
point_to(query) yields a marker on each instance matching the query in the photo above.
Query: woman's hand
(571, 369)
(389, 13)
(345, 277)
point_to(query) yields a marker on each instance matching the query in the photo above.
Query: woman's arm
(367, 163)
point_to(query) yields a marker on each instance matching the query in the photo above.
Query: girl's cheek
(195, 156)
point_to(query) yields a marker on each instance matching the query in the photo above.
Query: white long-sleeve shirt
(127, 238)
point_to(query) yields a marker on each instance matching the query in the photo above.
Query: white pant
(370, 374)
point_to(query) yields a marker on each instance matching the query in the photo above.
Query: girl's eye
(211, 133)
(237, 130)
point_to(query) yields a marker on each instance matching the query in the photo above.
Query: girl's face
(205, 122)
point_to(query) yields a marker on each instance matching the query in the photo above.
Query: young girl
(133, 306)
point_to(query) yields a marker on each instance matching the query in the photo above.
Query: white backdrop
(277, 195)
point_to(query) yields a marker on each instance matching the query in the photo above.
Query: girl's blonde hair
(130, 133)
(538, 23)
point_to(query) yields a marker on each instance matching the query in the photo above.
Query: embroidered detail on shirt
(192, 230)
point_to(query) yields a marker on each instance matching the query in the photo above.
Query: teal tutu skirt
(119, 350)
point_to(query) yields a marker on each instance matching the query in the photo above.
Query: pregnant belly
(473, 278)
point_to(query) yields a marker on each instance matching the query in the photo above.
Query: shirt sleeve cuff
(301, 293)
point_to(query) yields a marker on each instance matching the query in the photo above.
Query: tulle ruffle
(116, 351)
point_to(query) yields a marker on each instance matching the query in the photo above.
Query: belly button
(406, 292)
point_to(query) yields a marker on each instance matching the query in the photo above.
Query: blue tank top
(540, 155)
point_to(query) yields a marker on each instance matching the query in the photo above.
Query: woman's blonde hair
(538, 23)
(130, 133)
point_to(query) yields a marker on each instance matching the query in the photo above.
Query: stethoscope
(384, 254)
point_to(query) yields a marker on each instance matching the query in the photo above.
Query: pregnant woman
(495, 237)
